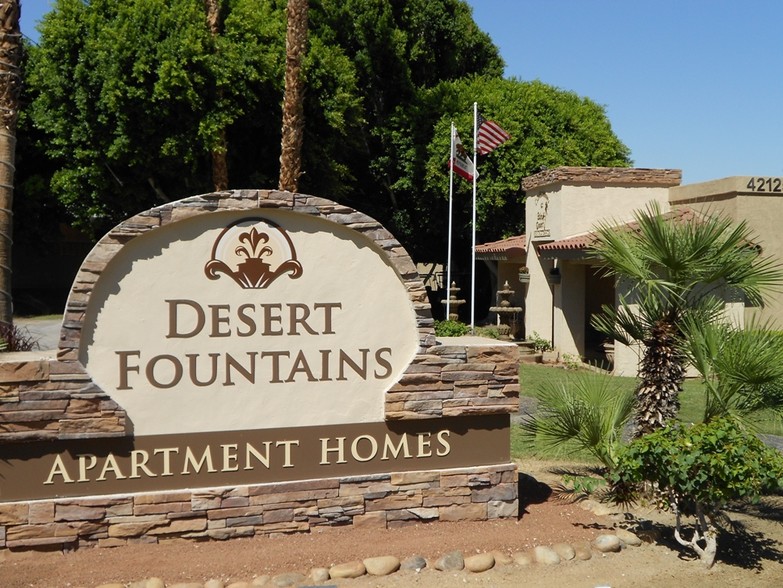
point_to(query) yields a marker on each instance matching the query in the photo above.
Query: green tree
(674, 268)
(133, 98)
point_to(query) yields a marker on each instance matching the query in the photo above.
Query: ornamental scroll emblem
(254, 252)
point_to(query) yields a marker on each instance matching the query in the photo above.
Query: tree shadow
(746, 548)
(738, 544)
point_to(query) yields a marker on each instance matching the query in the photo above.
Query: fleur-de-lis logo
(254, 239)
(251, 248)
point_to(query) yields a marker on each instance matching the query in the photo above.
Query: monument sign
(250, 362)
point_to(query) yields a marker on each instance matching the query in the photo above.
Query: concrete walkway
(46, 332)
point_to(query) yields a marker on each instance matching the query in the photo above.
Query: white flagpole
(473, 250)
(451, 196)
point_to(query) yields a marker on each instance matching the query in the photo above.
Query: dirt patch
(750, 556)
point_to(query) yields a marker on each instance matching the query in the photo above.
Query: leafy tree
(135, 96)
(674, 269)
(696, 471)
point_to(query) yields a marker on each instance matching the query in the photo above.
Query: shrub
(14, 338)
(695, 471)
(488, 332)
(449, 328)
(540, 344)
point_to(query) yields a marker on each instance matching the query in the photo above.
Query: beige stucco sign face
(240, 321)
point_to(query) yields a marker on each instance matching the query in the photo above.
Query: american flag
(490, 135)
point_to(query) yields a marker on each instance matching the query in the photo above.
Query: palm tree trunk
(662, 372)
(220, 152)
(293, 103)
(10, 86)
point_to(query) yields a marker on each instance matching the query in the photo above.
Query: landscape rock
(259, 580)
(545, 555)
(351, 569)
(288, 579)
(523, 559)
(628, 537)
(214, 583)
(502, 558)
(582, 551)
(415, 563)
(607, 543)
(451, 562)
(381, 566)
(179, 585)
(480, 562)
(239, 585)
(565, 551)
(318, 575)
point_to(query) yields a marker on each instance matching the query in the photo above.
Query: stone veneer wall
(628, 176)
(48, 399)
(382, 500)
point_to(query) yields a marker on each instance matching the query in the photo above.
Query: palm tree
(585, 412)
(674, 266)
(220, 150)
(10, 85)
(293, 102)
(740, 368)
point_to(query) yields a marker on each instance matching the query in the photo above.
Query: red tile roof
(581, 242)
(512, 247)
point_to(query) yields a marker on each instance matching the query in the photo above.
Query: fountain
(507, 314)
(453, 302)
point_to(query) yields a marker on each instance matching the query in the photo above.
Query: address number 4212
(765, 184)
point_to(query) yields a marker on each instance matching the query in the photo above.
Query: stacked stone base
(381, 500)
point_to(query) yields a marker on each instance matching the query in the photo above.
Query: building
(560, 287)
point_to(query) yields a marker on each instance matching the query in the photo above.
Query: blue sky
(690, 84)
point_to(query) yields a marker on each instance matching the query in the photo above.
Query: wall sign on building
(250, 344)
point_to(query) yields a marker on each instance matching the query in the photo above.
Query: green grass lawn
(532, 377)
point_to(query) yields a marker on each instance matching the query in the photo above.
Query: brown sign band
(235, 458)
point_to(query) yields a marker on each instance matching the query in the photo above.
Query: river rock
(564, 550)
(259, 580)
(450, 562)
(607, 543)
(582, 551)
(481, 562)
(415, 563)
(351, 569)
(239, 585)
(214, 583)
(502, 558)
(288, 579)
(628, 537)
(318, 575)
(149, 583)
(381, 566)
(523, 559)
(545, 555)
